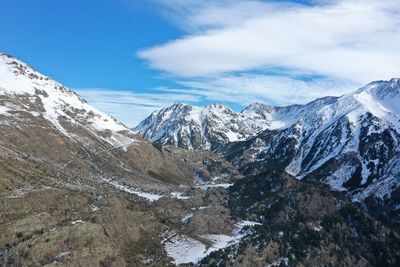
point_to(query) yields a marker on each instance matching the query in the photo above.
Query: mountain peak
(259, 107)
(54, 102)
(17, 66)
(216, 106)
(180, 105)
(382, 87)
(195, 127)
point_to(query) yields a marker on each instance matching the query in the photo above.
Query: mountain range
(303, 185)
(350, 142)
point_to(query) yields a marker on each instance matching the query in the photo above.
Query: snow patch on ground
(95, 208)
(149, 196)
(186, 249)
(178, 195)
(279, 262)
(59, 256)
(4, 110)
(185, 219)
(205, 185)
(77, 222)
(22, 192)
(183, 249)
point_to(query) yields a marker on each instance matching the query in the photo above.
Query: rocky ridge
(349, 142)
(208, 127)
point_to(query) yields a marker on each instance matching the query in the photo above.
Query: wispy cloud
(196, 16)
(354, 40)
(279, 90)
(130, 107)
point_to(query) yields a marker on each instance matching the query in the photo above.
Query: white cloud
(353, 40)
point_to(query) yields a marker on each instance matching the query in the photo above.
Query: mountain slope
(75, 185)
(78, 188)
(50, 126)
(303, 223)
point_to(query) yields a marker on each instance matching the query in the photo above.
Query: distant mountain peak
(257, 106)
(195, 127)
(217, 106)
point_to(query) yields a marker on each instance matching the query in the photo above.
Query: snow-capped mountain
(349, 142)
(49, 99)
(212, 126)
(208, 127)
(43, 120)
(366, 122)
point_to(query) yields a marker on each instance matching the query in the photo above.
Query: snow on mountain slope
(53, 101)
(306, 137)
(74, 144)
(327, 127)
(206, 127)
(382, 99)
(352, 143)
(212, 126)
(346, 124)
(349, 142)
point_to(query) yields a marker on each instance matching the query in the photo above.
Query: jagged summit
(195, 127)
(390, 87)
(381, 99)
(263, 111)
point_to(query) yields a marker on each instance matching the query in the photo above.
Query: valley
(302, 185)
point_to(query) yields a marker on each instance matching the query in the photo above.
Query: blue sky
(86, 43)
(129, 57)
